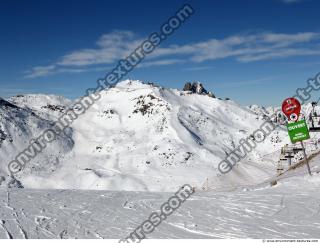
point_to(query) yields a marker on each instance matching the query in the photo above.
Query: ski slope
(288, 210)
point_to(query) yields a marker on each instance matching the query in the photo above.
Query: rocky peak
(197, 88)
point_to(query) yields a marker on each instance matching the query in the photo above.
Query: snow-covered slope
(19, 125)
(142, 137)
(46, 106)
(288, 210)
(306, 110)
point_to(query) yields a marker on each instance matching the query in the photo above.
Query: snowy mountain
(306, 110)
(138, 137)
(46, 106)
(17, 127)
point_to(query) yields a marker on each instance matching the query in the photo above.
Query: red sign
(291, 107)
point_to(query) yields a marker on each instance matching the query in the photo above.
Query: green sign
(298, 131)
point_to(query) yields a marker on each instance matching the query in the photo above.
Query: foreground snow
(289, 210)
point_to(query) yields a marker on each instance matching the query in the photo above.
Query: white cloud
(43, 71)
(110, 48)
(161, 62)
(290, 1)
(243, 83)
(280, 54)
(265, 46)
(243, 48)
(40, 71)
(198, 68)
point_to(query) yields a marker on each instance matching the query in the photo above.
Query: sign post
(298, 130)
(305, 157)
(291, 107)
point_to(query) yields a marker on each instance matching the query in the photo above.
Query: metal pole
(207, 184)
(305, 157)
(289, 159)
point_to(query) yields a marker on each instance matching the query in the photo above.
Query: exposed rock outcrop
(197, 88)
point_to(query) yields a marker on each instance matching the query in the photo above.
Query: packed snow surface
(289, 210)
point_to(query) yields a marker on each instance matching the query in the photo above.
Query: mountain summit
(197, 88)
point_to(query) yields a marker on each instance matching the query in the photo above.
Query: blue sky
(252, 51)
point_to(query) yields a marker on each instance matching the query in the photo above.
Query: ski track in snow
(277, 212)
